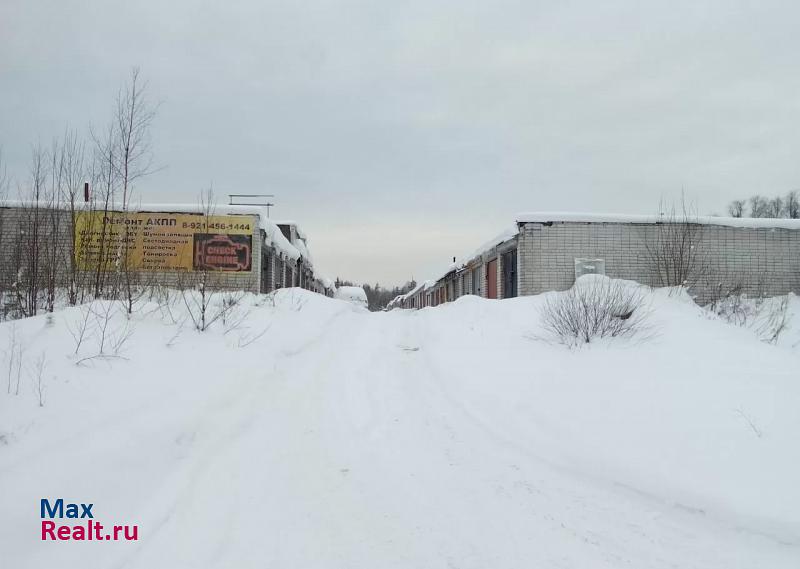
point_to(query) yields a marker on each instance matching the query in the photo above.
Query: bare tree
(74, 174)
(759, 206)
(736, 208)
(52, 244)
(200, 302)
(674, 247)
(110, 338)
(793, 205)
(27, 249)
(15, 355)
(103, 201)
(80, 329)
(3, 175)
(122, 156)
(775, 207)
(39, 254)
(5, 277)
(38, 378)
(11, 353)
(133, 118)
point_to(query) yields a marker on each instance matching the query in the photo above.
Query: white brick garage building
(545, 251)
(760, 256)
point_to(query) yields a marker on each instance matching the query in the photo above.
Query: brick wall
(763, 260)
(15, 234)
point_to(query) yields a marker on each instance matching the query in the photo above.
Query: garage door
(491, 279)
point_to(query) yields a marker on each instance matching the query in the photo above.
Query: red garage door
(491, 279)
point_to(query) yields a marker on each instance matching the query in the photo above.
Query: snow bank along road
(319, 435)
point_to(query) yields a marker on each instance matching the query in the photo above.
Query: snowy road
(401, 439)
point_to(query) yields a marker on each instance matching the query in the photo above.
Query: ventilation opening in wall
(589, 267)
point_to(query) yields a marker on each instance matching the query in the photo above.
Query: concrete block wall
(16, 239)
(765, 261)
(275, 271)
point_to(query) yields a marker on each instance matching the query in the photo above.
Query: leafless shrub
(202, 309)
(14, 358)
(767, 317)
(110, 338)
(233, 316)
(19, 361)
(119, 337)
(159, 293)
(673, 248)
(200, 301)
(103, 313)
(79, 329)
(165, 302)
(728, 300)
(772, 319)
(38, 378)
(595, 309)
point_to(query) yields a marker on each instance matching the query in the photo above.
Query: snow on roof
(430, 283)
(546, 217)
(502, 237)
(272, 233)
(416, 289)
(300, 233)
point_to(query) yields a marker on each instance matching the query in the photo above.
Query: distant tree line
(378, 296)
(787, 206)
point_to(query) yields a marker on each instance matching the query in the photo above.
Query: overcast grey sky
(400, 134)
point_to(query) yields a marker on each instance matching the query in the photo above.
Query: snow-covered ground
(353, 294)
(315, 434)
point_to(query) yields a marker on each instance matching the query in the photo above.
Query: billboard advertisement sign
(153, 242)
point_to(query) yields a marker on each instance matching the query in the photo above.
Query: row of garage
(488, 272)
(709, 256)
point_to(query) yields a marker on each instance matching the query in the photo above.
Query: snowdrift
(301, 431)
(353, 294)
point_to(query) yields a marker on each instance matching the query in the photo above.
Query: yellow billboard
(164, 241)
